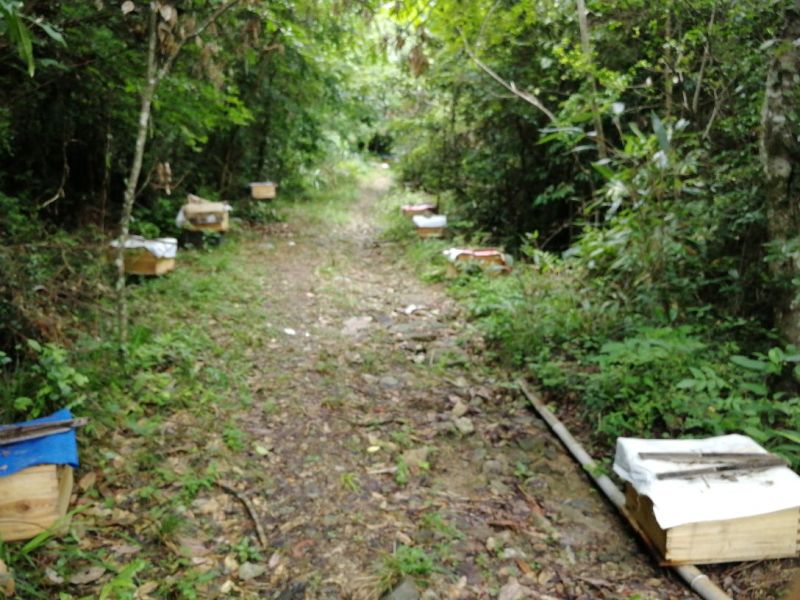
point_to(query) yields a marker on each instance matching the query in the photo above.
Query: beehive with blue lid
(36, 475)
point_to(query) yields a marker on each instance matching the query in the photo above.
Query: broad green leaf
(20, 35)
(52, 32)
(792, 436)
(750, 363)
(661, 133)
(603, 169)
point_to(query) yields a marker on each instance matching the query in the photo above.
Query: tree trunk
(780, 153)
(583, 23)
(133, 179)
(668, 64)
(155, 74)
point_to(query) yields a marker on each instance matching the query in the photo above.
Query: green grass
(406, 561)
(175, 364)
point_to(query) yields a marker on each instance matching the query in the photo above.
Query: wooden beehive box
(34, 500)
(430, 232)
(36, 462)
(432, 226)
(712, 500)
(491, 260)
(147, 257)
(772, 535)
(263, 190)
(138, 261)
(202, 215)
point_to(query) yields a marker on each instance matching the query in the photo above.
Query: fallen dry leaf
(191, 547)
(512, 591)
(87, 575)
(144, 590)
(87, 481)
(125, 549)
(250, 571)
(52, 578)
(7, 584)
(299, 549)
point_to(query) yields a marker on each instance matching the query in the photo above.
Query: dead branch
(704, 61)
(64, 176)
(262, 536)
(527, 96)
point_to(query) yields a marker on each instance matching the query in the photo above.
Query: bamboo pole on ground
(694, 578)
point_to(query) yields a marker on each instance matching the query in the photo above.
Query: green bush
(48, 384)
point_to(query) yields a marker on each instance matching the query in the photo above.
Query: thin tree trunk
(668, 65)
(780, 153)
(133, 178)
(155, 74)
(704, 61)
(583, 23)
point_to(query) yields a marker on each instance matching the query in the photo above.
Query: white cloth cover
(452, 254)
(710, 497)
(432, 222)
(181, 221)
(159, 247)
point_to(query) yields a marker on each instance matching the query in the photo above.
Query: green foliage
(14, 27)
(233, 437)
(246, 551)
(123, 584)
(50, 383)
(406, 561)
(643, 298)
(436, 523)
(635, 379)
(403, 472)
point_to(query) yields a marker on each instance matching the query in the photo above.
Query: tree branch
(528, 97)
(704, 61)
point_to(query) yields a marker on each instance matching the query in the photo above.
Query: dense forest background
(639, 158)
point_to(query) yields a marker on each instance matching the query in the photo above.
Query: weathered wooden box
(430, 226)
(263, 190)
(491, 260)
(148, 257)
(430, 232)
(34, 500)
(712, 500)
(139, 261)
(772, 535)
(202, 215)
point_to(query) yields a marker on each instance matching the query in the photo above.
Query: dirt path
(376, 432)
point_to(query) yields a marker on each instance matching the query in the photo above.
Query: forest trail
(376, 429)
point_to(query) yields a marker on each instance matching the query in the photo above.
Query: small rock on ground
(407, 590)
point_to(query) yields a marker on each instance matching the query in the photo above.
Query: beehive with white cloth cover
(148, 257)
(430, 226)
(712, 500)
